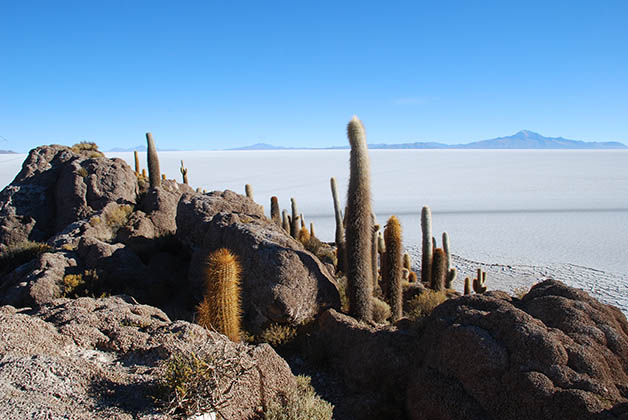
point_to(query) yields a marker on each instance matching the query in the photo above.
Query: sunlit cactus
(248, 190)
(275, 216)
(137, 162)
(153, 162)
(340, 228)
(392, 275)
(439, 270)
(427, 245)
(184, 173)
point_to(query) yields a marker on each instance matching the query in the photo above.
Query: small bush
(422, 305)
(278, 335)
(300, 404)
(87, 283)
(88, 148)
(381, 310)
(118, 216)
(323, 251)
(193, 383)
(21, 253)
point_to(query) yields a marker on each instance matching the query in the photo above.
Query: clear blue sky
(214, 74)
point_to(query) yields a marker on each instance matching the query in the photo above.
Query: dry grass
(87, 283)
(381, 310)
(117, 217)
(300, 404)
(88, 148)
(422, 305)
(278, 335)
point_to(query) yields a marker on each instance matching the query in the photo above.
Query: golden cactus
(220, 308)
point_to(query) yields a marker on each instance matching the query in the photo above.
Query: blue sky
(217, 74)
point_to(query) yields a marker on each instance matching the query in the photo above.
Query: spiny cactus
(446, 249)
(153, 162)
(405, 275)
(137, 162)
(303, 235)
(294, 227)
(249, 191)
(467, 286)
(439, 270)
(359, 226)
(407, 262)
(312, 230)
(143, 172)
(479, 283)
(302, 219)
(184, 173)
(374, 255)
(220, 308)
(451, 277)
(340, 227)
(427, 246)
(274, 210)
(392, 276)
(285, 221)
(434, 246)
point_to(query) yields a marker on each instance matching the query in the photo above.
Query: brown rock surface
(557, 353)
(99, 359)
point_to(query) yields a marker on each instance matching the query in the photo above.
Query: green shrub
(88, 283)
(192, 383)
(278, 335)
(21, 253)
(422, 305)
(300, 404)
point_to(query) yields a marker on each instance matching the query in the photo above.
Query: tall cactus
(295, 225)
(427, 250)
(274, 210)
(220, 308)
(392, 277)
(381, 250)
(374, 254)
(451, 272)
(154, 173)
(184, 173)
(248, 189)
(359, 227)
(439, 270)
(340, 227)
(137, 162)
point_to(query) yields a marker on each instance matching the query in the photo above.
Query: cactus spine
(479, 283)
(392, 276)
(274, 210)
(294, 226)
(249, 191)
(137, 162)
(340, 227)
(184, 173)
(153, 162)
(359, 227)
(427, 250)
(439, 270)
(220, 308)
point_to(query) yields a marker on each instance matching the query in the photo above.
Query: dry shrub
(118, 216)
(323, 251)
(278, 335)
(422, 305)
(87, 148)
(381, 310)
(199, 382)
(300, 404)
(21, 253)
(87, 283)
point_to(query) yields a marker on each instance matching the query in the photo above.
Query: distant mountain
(524, 139)
(7, 152)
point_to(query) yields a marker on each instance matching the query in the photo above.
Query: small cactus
(137, 162)
(359, 226)
(220, 308)
(285, 221)
(407, 262)
(451, 277)
(302, 219)
(427, 245)
(467, 286)
(248, 189)
(184, 173)
(479, 283)
(163, 177)
(446, 249)
(340, 227)
(274, 210)
(153, 162)
(312, 230)
(374, 255)
(294, 227)
(144, 173)
(439, 270)
(303, 236)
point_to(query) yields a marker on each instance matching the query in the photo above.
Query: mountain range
(524, 139)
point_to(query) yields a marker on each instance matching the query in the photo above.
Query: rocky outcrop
(557, 353)
(102, 358)
(281, 281)
(57, 187)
